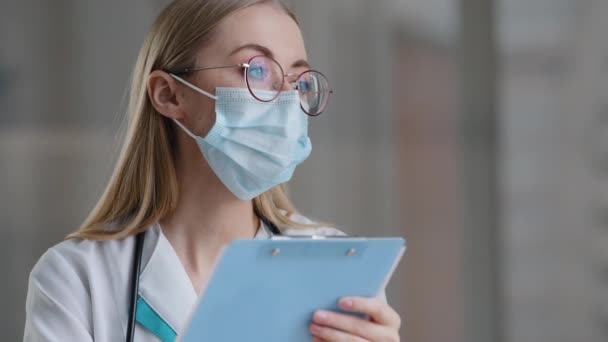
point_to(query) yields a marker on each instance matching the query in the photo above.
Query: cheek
(201, 109)
(232, 77)
(204, 115)
(200, 114)
(207, 120)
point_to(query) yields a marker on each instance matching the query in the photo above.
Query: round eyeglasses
(265, 78)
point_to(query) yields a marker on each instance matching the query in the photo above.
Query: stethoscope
(270, 228)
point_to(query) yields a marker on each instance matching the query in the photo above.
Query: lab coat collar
(164, 283)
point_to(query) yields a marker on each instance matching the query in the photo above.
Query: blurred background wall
(477, 129)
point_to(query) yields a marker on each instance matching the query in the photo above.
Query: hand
(382, 326)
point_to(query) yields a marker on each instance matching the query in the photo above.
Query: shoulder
(77, 268)
(76, 255)
(61, 259)
(319, 229)
(60, 271)
(63, 285)
(59, 294)
(72, 274)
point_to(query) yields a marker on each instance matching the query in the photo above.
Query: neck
(208, 216)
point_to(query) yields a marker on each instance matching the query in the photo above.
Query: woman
(218, 111)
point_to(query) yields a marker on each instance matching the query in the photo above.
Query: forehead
(264, 24)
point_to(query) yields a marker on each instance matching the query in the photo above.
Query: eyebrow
(267, 52)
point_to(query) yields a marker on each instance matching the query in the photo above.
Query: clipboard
(268, 290)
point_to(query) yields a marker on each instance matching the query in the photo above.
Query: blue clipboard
(268, 290)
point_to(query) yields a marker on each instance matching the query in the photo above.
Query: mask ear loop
(193, 87)
(185, 129)
(198, 90)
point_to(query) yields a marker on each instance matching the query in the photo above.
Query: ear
(162, 91)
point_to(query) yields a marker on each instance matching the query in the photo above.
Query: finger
(333, 335)
(353, 325)
(318, 339)
(378, 310)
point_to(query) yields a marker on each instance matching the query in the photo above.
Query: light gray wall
(553, 109)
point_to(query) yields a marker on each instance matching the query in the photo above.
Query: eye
(258, 72)
(303, 86)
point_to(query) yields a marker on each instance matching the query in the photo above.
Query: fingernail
(315, 329)
(347, 303)
(320, 316)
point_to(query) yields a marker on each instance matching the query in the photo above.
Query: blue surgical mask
(253, 145)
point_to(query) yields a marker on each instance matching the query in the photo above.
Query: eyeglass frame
(246, 66)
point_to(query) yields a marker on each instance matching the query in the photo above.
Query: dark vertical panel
(480, 156)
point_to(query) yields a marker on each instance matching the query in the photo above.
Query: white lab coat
(78, 290)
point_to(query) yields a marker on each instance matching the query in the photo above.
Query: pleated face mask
(253, 145)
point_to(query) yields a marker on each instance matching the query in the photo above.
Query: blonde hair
(143, 187)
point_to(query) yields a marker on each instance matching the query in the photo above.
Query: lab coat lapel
(164, 284)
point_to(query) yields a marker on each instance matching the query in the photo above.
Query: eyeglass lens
(265, 79)
(314, 92)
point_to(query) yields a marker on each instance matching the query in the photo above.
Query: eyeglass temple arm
(183, 71)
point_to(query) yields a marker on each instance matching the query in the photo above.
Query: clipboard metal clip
(290, 237)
